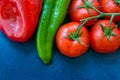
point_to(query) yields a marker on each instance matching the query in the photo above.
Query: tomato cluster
(73, 39)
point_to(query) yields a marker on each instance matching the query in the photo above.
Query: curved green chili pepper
(53, 14)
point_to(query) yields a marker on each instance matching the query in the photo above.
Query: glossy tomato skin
(19, 18)
(69, 47)
(76, 14)
(99, 42)
(109, 6)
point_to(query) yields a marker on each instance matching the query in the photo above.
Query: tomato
(19, 18)
(69, 47)
(99, 37)
(109, 6)
(76, 14)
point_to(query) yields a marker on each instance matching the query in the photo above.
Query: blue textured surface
(19, 61)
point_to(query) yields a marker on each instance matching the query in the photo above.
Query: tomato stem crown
(87, 4)
(107, 31)
(117, 2)
(75, 36)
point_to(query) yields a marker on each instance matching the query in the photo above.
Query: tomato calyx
(117, 2)
(87, 4)
(108, 32)
(75, 37)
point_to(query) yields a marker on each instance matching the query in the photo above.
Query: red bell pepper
(19, 18)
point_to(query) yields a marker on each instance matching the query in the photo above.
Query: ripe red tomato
(99, 41)
(19, 18)
(109, 6)
(69, 47)
(76, 14)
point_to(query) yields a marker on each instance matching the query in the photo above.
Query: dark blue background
(20, 61)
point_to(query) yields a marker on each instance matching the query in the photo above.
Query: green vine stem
(101, 14)
(79, 27)
(117, 2)
(111, 19)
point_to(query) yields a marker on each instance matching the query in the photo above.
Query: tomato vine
(88, 6)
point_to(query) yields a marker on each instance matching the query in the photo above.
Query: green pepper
(52, 16)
